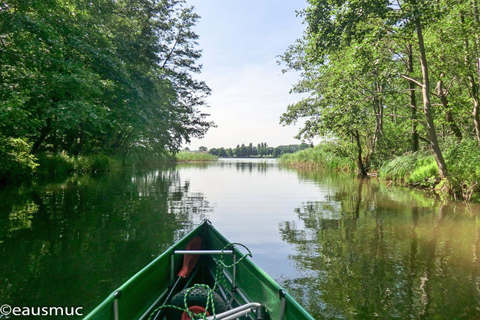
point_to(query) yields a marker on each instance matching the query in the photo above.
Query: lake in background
(344, 248)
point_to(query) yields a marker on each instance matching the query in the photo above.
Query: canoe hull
(137, 297)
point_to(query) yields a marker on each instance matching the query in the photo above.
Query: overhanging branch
(411, 79)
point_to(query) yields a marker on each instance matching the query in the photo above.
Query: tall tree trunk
(362, 172)
(476, 112)
(413, 102)
(427, 110)
(41, 138)
(378, 109)
(442, 94)
(378, 104)
(54, 135)
(471, 77)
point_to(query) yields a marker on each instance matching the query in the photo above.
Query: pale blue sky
(240, 41)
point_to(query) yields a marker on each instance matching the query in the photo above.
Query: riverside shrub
(16, 162)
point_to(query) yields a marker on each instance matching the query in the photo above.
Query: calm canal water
(345, 248)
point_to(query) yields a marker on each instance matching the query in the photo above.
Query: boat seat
(238, 312)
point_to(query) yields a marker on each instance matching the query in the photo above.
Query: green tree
(100, 77)
(347, 99)
(222, 153)
(364, 43)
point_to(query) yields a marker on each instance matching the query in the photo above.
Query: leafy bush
(16, 162)
(463, 161)
(55, 165)
(96, 163)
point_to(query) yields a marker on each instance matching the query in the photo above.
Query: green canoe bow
(140, 295)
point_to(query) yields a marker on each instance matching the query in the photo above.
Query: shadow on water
(71, 244)
(370, 252)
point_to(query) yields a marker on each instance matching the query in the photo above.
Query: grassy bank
(418, 169)
(325, 156)
(412, 168)
(186, 156)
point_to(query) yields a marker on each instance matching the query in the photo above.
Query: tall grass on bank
(420, 168)
(186, 156)
(325, 155)
(412, 167)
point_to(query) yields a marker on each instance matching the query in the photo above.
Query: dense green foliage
(107, 77)
(262, 150)
(387, 78)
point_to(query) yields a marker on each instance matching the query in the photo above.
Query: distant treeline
(262, 150)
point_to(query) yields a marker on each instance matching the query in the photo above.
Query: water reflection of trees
(71, 244)
(368, 252)
(260, 166)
